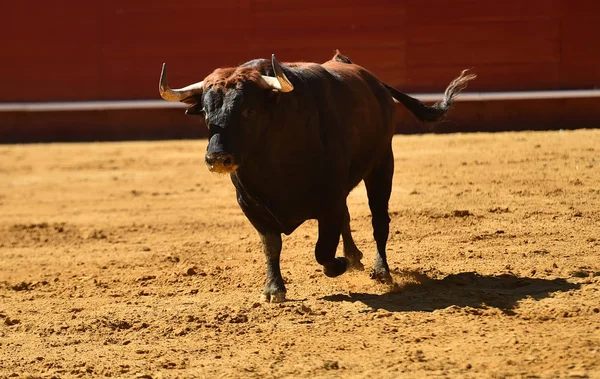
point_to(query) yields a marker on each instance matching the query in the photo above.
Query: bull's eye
(248, 112)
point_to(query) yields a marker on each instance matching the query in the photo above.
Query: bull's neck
(257, 198)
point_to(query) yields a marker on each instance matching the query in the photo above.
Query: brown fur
(232, 77)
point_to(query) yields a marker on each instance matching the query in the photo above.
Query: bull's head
(235, 104)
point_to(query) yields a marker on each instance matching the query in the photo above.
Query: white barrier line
(520, 95)
(71, 106)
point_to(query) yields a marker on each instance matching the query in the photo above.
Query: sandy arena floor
(132, 260)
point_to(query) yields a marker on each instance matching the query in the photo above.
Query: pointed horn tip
(163, 87)
(163, 72)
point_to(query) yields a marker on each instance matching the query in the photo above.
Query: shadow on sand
(467, 289)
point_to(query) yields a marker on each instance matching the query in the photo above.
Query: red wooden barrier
(75, 50)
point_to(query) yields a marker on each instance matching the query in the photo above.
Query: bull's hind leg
(379, 189)
(351, 252)
(274, 291)
(330, 228)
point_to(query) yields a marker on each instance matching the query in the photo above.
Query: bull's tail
(426, 114)
(436, 112)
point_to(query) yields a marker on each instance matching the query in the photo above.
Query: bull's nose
(220, 162)
(210, 159)
(223, 158)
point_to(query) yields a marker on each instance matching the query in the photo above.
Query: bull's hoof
(276, 297)
(274, 291)
(337, 267)
(382, 275)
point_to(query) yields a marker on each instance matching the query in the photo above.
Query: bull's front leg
(330, 228)
(274, 291)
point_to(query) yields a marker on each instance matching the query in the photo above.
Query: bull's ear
(195, 109)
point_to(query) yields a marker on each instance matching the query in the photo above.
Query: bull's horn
(280, 82)
(177, 94)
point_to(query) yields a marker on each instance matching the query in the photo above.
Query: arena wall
(70, 50)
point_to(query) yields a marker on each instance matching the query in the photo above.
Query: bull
(295, 139)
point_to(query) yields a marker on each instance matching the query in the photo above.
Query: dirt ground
(132, 260)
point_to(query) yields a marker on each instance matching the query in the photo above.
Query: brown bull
(296, 139)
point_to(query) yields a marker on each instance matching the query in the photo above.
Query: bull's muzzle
(222, 163)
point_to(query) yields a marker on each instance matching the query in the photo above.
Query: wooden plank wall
(77, 50)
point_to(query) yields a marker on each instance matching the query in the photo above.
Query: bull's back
(367, 116)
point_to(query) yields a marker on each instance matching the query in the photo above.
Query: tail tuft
(437, 112)
(454, 88)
